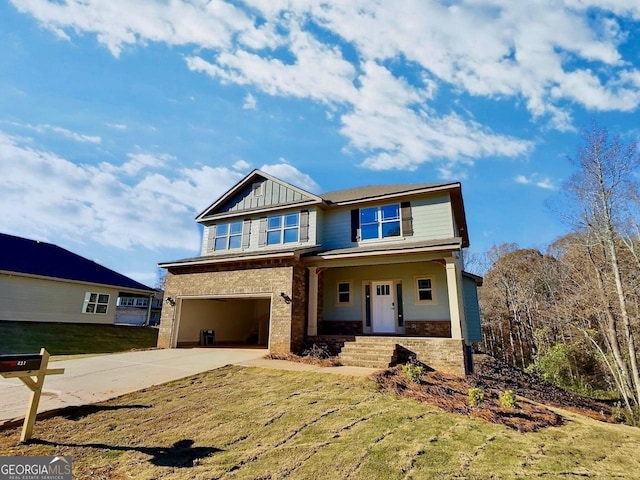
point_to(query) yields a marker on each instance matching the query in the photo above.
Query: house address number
(20, 363)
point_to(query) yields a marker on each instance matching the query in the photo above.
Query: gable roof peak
(240, 192)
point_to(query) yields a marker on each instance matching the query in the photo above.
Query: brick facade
(446, 355)
(425, 328)
(340, 327)
(260, 278)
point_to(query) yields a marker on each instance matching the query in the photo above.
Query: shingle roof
(372, 191)
(22, 255)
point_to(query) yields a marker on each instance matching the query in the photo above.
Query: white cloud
(292, 175)
(241, 165)
(250, 102)
(545, 183)
(117, 126)
(548, 54)
(98, 206)
(63, 132)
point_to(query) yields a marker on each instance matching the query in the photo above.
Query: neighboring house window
(95, 303)
(380, 222)
(424, 290)
(283, 228)
(133, 302)
(228, 236)
(343, 294)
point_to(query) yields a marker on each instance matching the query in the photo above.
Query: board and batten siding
(40, 300)
(432, 220)
(253, 224)
(272, 194)
(405, 273)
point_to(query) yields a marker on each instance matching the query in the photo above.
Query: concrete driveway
(94, 379)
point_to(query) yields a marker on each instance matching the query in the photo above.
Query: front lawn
(251, 423)
(73, 338)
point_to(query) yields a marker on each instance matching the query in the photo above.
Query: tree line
(572, 313)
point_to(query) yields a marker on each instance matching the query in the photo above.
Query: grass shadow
(76, 413)
(181, 454)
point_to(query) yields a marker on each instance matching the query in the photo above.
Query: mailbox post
(25, 367)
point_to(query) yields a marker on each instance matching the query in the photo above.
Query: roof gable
(31, 257)
(258, 191)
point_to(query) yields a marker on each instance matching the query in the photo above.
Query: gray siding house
(372, 267)
(41, 282)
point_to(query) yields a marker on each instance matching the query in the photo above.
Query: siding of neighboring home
(432, 219)
(40, 300)
(472, 310)
(406, 273)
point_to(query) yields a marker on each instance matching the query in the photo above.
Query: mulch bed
(451, 394)
(491, 373)
(308, 359)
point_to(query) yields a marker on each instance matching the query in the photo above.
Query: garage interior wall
(233, 320)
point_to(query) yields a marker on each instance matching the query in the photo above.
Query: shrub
(413, 371)
(622, 414)
(320, 352)
(476, 397)
(508, 399)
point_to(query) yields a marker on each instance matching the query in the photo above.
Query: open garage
(223, 321)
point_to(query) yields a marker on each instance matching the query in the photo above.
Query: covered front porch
(415, 294)
(377, 308)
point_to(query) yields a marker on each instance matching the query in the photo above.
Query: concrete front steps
(372, 352)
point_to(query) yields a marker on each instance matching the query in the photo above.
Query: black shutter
(407, 220)
(355, 224)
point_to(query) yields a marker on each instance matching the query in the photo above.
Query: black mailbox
(20, 362)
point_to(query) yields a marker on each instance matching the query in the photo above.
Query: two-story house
(379, 269)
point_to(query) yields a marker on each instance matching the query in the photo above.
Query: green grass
(73, 338)
(251, 423)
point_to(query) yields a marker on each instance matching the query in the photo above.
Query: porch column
(453, 289)
(312, 324)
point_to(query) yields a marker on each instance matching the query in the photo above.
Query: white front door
(382, 307)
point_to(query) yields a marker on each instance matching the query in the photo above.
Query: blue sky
(120, 121)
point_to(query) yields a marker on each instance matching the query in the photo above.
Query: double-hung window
(283, 228)
(343, 293)
(424, 290)
(380, 222)
(228, 236)
(95, 303)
